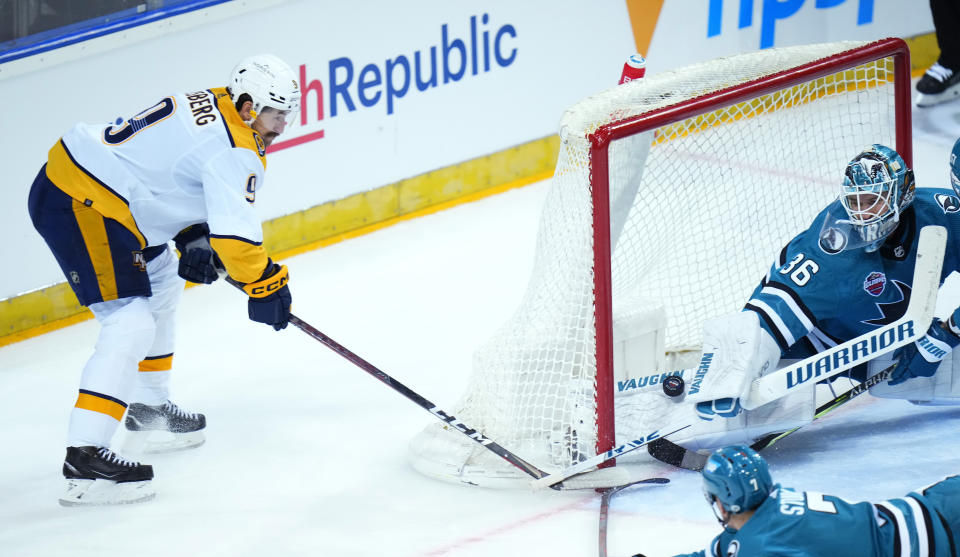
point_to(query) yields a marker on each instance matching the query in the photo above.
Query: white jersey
(186, 160)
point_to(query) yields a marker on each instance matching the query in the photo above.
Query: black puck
(673, 386)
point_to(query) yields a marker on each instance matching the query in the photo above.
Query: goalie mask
(736, 477)
(272, 87)
(877, 187)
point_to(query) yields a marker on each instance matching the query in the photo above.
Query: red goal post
(600, 140)
(671, 197)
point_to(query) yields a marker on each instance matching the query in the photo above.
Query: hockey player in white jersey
(107, 202)
(849, 273)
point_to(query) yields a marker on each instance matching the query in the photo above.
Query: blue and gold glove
(269, 297)
(198, 262)
(922, 357)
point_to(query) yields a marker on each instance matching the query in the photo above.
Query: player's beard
(268, 137)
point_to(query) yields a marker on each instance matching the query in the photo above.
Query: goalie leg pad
(942, 389)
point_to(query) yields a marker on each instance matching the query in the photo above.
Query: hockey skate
(97, 476)
(938, 85)
(163, 428)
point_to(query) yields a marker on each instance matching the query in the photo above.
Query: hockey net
(671, 197)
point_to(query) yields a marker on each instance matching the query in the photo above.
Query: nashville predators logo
(139, 261)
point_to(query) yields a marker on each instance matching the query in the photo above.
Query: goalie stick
(668, 452)
(821, 366)
(412, 395)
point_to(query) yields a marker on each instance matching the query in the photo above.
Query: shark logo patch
(949, 203)
(833, 240)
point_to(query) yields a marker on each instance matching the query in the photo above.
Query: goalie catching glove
(198, 262)
(269, 297)
(922, 357)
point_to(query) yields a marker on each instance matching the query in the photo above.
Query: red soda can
(633, 68)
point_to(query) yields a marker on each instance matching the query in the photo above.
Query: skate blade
(927, 100)
(153, 442)
(83, 493)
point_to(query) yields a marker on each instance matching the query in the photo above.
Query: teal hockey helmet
(738, 478)
(877, 187)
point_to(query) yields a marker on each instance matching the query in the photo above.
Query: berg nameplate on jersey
(913, 324)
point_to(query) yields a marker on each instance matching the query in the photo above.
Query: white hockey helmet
(269, 82)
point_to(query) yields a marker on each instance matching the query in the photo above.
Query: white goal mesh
(675, 191)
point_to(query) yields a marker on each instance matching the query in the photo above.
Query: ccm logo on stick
(457, 424)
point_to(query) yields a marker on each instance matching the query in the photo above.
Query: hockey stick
(826, 364)
(830, 405)
(453, 422)
(606, 495)
(668, 452)
(590, 463)
(412, 395)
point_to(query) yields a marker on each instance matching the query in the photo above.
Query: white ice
(306, 453)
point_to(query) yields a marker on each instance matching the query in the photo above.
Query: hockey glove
(922, 357)
(721, 407)
(269, 297)
(198, 262)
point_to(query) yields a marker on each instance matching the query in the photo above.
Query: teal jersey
(809, 524)
(818, 294)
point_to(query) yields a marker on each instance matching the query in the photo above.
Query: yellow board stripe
(48, 309)
(94, 233)
(96, 402)
(924, 51)
(157, 363)
(73, 180)
(55, 307)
